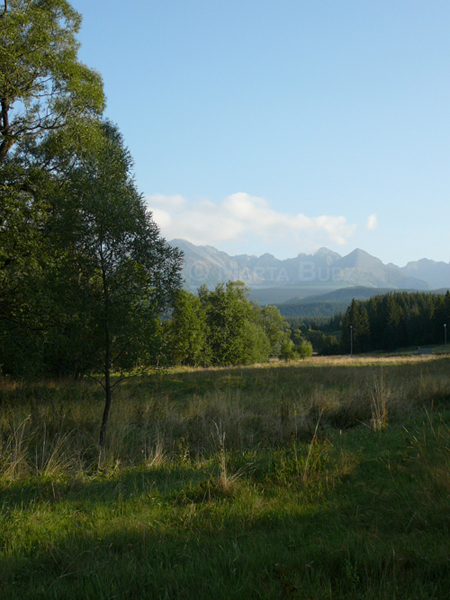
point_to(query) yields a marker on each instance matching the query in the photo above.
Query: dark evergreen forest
(396, 320)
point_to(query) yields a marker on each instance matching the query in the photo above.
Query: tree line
(396, 320)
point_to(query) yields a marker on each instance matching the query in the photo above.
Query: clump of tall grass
(13, 450)
(380, 395)
(27, 450)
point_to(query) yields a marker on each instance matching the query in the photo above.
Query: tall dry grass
(51, 427)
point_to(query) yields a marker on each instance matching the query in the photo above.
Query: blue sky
(284, 125)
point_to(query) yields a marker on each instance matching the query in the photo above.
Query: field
(324, 479)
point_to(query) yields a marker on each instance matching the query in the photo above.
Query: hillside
(332, 303)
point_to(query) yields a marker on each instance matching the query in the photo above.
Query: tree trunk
(107, 386)
(108, 396)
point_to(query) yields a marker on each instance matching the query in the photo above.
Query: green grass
(323, 479)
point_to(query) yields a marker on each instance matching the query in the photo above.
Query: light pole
(351, 341)
(445, 335)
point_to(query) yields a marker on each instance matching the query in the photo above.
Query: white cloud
(372, 222)
(240, 217)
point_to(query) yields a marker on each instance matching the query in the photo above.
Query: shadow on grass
(382, 531)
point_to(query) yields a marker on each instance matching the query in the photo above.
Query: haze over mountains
(276, 281)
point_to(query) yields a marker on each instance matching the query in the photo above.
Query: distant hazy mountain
(275, 281)
(436, 274)
(207, 265)
(361, 269)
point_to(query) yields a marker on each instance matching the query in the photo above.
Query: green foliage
(23, 258)
(40, 70)
(186, 331)
(305, 349)
(322, 323)
(312, 310)
(227, 310)
(330, 346)
(274, 325)
(309, 340)
(49, 105)
(256, 346)
(222, 327)
(237, 330)
(288, 351)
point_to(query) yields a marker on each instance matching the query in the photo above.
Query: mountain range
(291, 280)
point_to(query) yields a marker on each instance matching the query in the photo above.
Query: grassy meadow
(323, 479)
